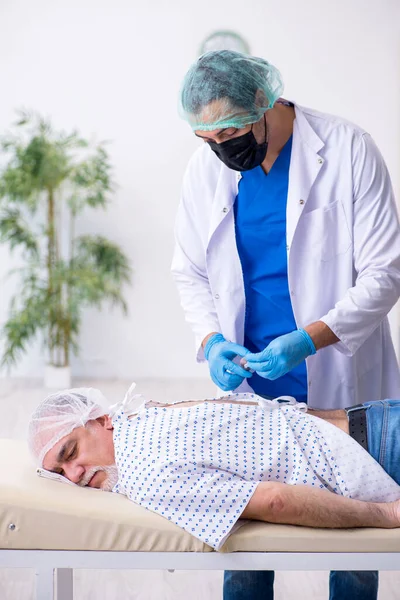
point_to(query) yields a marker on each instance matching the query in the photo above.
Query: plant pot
(57, 378)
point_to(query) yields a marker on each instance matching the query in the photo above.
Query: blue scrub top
(260, 224)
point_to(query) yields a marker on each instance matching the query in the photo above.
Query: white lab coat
(343, 243)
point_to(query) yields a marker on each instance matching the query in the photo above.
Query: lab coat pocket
(327, 231)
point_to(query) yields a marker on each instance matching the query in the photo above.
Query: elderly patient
(206, 464)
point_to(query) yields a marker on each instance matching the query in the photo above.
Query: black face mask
(241, 153)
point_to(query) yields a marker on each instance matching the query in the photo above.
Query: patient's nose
(73, 472)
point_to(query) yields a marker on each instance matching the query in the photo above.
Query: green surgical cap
(224, 89)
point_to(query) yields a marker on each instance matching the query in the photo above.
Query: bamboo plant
(47, 179)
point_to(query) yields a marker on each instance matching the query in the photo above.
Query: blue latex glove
(224, 372)
(282, 355)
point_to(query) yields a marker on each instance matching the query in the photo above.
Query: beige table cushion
(53, 516)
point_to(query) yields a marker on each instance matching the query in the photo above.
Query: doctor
(287, 254)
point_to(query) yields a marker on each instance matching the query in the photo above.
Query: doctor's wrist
(321, 334)
(308, 341)
(209, 336)
(210, 341)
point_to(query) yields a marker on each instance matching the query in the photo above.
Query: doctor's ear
(261, 99)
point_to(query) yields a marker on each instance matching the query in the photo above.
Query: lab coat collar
(303, 128)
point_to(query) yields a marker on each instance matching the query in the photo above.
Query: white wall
(113, 68)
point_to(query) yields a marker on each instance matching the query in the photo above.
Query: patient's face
(86, 455)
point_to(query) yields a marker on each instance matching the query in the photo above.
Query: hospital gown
(199, 466)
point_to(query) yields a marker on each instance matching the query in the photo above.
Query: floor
(17, 400)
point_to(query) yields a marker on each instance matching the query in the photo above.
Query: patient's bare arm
(303, 505)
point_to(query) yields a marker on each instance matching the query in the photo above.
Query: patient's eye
(71, 453)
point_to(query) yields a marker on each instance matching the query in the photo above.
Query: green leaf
(22, 327)
(104, 257)
(14, 230)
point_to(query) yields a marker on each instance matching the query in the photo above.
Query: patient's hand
(395, 506)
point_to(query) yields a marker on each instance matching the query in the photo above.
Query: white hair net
(59, 414)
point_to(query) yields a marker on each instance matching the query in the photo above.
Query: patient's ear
(105, 421)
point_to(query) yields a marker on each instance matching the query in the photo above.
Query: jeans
(259, 585)
(383, 425)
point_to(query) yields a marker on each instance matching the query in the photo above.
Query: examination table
(55, 528)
